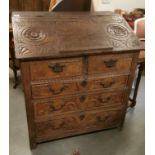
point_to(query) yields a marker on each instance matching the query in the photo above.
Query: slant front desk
(77, 71)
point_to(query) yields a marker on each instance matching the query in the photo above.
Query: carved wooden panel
(89, 121)
(74, 33)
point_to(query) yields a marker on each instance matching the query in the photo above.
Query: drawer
(42, 70)
(77, 123)
(62, 88)
(108, 64)
(115, 82)
(58, 106)
(53, 89)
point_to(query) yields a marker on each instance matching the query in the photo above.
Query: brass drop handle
(101, 120)
(54, 126)
(100, 99)
(110, 63)
(82, 115)
(58, 92)
(57, 68)
(82, 98)
(53, 108)
(84, 83)
(107, 85)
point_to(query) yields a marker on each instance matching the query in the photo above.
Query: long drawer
(61, 88)
(115, 63)
(77, 123)
(40, 70)
(57, 106)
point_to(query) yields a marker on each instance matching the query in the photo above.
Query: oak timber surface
(67, 95)
(43, 34)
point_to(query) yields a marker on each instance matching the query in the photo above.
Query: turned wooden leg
(15, 78)
(12, 58)
(133, 100)
(14, 73)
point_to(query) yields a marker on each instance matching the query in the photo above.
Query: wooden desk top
(44, 34)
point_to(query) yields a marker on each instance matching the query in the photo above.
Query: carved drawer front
(116, 82)
(42, 70)
(108, 63)
(77, 123)
(58, 106)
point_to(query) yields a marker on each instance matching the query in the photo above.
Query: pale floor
(129, 141)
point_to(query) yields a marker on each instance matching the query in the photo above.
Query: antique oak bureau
(77, 71)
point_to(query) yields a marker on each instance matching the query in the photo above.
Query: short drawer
(63, 88)
(42, 70)
(59, 106)
(77, 123)
(109, 64)
(114, 82)
(53, 89)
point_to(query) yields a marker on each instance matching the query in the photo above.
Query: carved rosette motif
(117, 31)
(30, 36)
(33, 36)
(47, 37)
(118, 35)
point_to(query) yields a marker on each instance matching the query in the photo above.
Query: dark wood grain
(77, 123)
(25, 72)
(48, 108)
(77, 71)
(71, 5)
(109, 63)
(44, 5)
(29, 5)
(62, 87)
(70, 34)
(47, 69)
